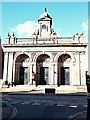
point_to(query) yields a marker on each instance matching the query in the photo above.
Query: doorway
(23, 76)
(21, 70)
(63, 67)
(43, 76)
(42, 69)
(65, 76)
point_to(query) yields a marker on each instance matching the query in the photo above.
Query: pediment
(45, 18)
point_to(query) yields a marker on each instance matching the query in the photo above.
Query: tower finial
(8, 34)
(45, 10)
(13, 34)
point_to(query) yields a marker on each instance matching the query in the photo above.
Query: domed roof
(44, 16)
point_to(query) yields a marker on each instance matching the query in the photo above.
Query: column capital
(5, 52)
(11, 52)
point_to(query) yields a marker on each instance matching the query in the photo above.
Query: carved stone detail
(82, 53)
(27, 60)
(53, 55)
(74, 59)
(32, 56)
(68, 60)
(79, 52)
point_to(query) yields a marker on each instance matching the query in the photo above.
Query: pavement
(41, 88)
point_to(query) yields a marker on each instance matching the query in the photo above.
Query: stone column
(30, 82)
(78, 75)
(55, 74)
(14, 70)
(34, 70)
(51, 74)
(10, 67)
(79, 68)
(73, 68)
(5, 72)
(83, 63)
(72, 74)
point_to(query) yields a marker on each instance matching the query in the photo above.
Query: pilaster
(52, 74)
(34, 68)
(82, 62)
(5, 72)
(78, 70)
(55, 74)
(30, 82)
(10, 67)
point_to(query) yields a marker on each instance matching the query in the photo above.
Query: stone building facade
(45, 58)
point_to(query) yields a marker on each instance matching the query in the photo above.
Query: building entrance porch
(42, 69)
(64, 63)
(21, 76)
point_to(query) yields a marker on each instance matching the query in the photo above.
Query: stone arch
(59, 54)
(21, 68)
(64, 63)
(17, 54)
(39, 53)
(43, 69)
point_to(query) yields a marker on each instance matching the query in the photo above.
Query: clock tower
(45, 22)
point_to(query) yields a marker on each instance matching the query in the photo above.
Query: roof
(45, 16)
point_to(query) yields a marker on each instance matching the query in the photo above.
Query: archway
(63, 67)
(21, 69)
(42, 69)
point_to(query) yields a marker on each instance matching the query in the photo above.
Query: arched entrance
(22, 69)
(64, 69)
(42, 69)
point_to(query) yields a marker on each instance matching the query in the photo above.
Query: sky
(21, 17)
(89, 38)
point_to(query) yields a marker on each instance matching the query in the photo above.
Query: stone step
(42, 88)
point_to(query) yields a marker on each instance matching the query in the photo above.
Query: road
(44, 106)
